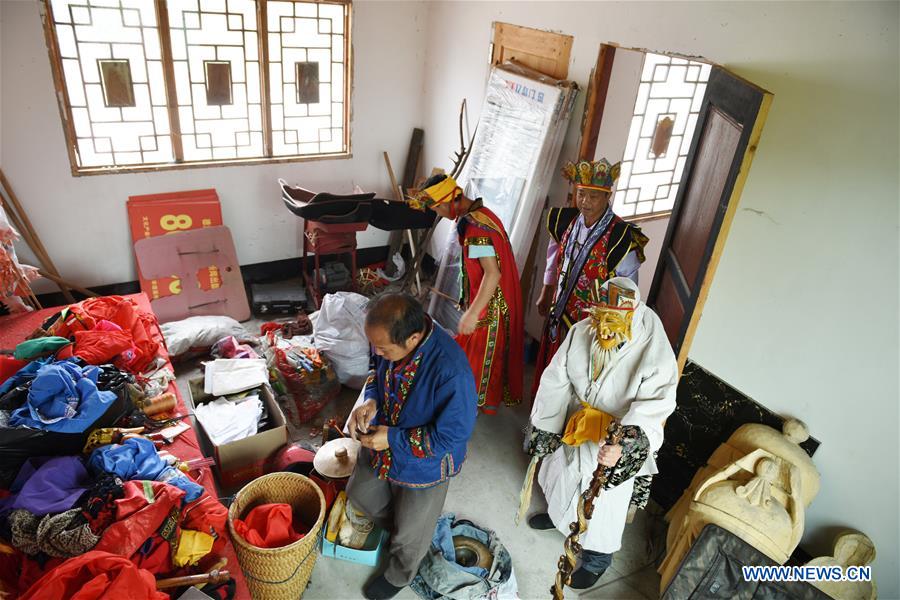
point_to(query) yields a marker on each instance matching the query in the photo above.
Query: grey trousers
(413, 512)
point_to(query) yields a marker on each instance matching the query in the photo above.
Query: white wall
(83, 221)
(803, 313)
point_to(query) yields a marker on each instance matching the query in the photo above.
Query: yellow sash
(588, 424)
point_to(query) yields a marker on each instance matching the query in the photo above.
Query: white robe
(637, 386)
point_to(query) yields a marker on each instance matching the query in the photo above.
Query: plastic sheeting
(520, 133)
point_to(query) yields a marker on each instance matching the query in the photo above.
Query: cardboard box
(246, 459)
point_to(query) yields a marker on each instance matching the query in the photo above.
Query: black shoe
(541, 521)
(582, 579)
(380, 589)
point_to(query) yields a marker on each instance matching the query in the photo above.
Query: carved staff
(585, 511)
(214, 577)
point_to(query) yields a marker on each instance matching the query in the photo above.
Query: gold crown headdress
(598, 175)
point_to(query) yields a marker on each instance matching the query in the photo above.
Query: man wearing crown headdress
(617, 364)
(491, 330)
(587, 243)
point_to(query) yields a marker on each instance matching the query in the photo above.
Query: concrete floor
(487, 492)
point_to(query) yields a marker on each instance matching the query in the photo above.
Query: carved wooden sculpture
(854, 549)
(759, 498)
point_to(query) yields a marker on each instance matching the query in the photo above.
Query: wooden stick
(585, 510)
(214, 577)
(70, 285)
(36, 245)
(398, 194)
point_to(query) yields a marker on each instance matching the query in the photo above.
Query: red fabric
(95, 576)
(330, 489)
(18, 572)
(495, 351)
(9, 366)
(99, 347)
(139, 516)
(269, 526)
(208, 515)
(137, 324)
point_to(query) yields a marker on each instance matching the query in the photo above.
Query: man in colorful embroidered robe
(587, 243)
(615, 364)
(491, 330)
(415, 422)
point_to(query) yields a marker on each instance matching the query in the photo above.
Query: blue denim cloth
(443, 540)
(440, 577)
(595, 562)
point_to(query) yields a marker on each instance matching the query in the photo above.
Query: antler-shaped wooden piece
(462, 154)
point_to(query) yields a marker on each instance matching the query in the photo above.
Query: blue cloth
(438, 411)
(136, 458)
(23, 375)
(63, 398)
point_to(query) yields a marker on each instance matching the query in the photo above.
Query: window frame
(162, 17)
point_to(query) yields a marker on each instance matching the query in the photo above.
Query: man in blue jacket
(418, 415)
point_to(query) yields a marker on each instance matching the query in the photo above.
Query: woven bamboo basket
(279, 573)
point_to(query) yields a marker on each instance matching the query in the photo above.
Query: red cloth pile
(96, 575)
(9, 366)
(110, 328)
(269, 526)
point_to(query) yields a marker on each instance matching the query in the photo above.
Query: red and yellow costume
(496, 348)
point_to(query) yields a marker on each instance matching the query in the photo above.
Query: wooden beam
(61, 281)
(265, 98)
(18, 215)
(165, 45)
(416, 143)
(596, 100)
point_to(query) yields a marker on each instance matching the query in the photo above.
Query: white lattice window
(668, 101)
(169, 83)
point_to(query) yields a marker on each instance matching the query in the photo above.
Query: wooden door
(725, 140)
(543, 51)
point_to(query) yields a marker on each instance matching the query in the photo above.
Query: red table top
(15, 328)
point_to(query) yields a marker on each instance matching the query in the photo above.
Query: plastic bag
(340, 334)
(200, 332)
(303, 379)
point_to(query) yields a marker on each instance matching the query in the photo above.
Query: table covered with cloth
(17, 327)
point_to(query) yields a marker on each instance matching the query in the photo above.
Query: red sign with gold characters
(153, 215)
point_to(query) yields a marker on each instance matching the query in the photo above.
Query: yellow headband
(439, 193)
